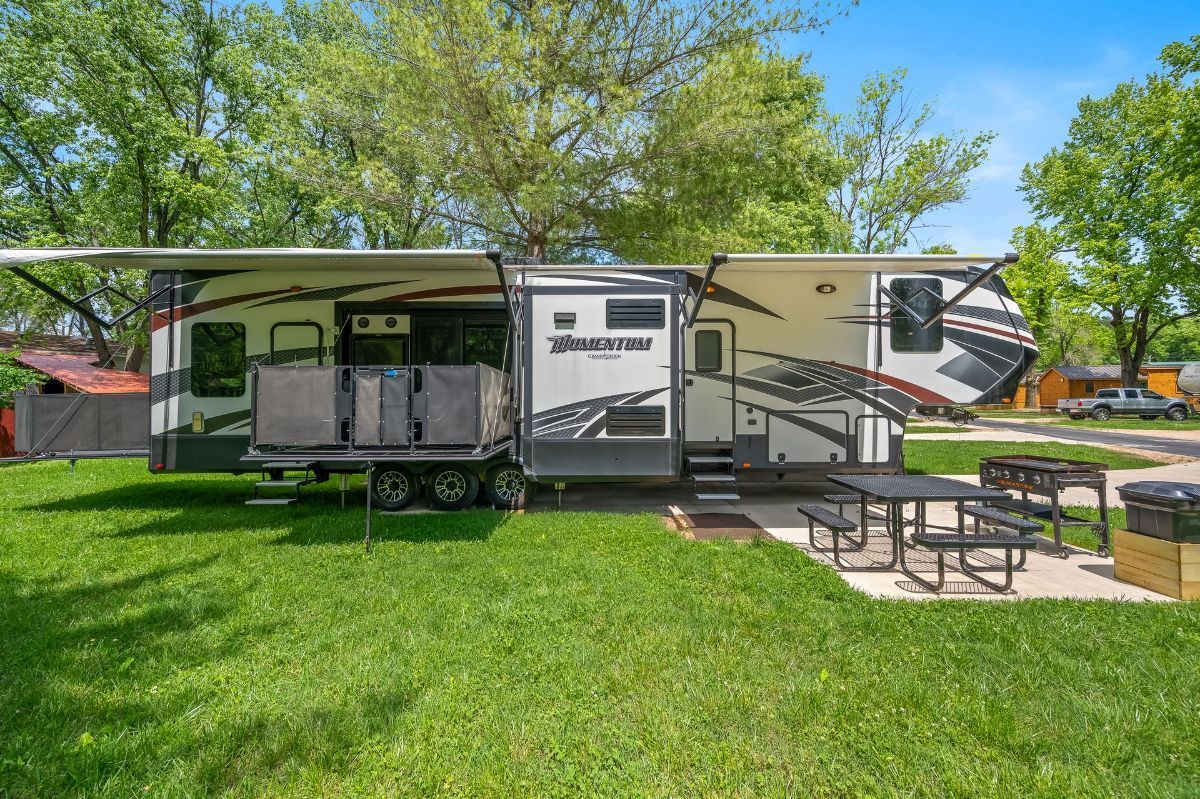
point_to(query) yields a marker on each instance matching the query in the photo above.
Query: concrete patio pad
(773, 507)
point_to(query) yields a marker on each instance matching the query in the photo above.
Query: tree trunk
(96, 333)
(133, 359)
(1031, 398)
(535, 246)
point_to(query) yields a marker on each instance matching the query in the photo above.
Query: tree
(1115, 202)
(895, 174)
(14, 377)
(141, 123)
(554, 127)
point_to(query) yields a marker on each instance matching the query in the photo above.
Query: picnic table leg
(898, 517)
(1001, 588)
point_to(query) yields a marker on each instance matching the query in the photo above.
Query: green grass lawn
(1131, 423)
(962, 457)
(160, 639)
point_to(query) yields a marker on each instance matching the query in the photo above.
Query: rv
(461, 372)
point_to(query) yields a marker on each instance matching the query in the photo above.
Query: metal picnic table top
(917, 488)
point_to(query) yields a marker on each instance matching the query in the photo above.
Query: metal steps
(712, 477)
(274, 475)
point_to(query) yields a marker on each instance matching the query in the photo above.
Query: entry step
(713, 478)
(717, 497)
(273, 501)
(282, 483)
(709, 460)
(287, 465)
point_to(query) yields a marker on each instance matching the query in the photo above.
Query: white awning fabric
(771, 262)
(294, 259)
(279, 259)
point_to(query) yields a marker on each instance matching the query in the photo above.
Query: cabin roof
(292, 259)
(1088, 372)
(75, 371)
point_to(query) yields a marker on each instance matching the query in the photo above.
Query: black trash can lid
(1186, 492)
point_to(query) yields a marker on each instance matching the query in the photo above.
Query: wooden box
(1160, 566)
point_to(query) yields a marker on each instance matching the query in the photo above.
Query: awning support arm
(716, 260)
(925, 322)
(77, 305)
(493, 255)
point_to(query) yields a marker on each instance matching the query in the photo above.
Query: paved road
(1141, 440)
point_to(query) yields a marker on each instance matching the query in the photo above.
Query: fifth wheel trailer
(445, 367)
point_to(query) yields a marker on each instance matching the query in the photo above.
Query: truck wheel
(451, 487)
(393, 487)
(1177, 414)
(507, 487)
(1101, 414)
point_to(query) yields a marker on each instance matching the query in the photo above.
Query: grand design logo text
(598, 344)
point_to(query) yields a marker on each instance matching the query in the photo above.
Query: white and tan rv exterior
(774, 366)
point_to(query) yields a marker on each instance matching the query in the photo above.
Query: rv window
(708, 350)
(485, 342)
(218, 359)
(907, 335)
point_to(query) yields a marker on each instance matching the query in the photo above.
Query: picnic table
(894, 492)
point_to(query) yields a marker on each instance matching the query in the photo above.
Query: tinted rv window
(907, 335)
(218, 359)
(708, 350)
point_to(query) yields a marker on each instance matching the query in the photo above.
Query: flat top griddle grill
(1044, 464)
(1040, 476)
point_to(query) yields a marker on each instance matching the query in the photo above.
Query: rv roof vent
(649, 314)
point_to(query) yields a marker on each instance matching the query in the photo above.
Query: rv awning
(771, 262)
(283, 259)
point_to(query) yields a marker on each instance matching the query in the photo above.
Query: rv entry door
(708, 385)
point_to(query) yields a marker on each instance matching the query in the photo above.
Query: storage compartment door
(874, 434)
(804, 436)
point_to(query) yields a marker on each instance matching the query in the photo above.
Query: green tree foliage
(14, 377)
(637, 129)
(143, 123)
(1113, 195)
(896, 174)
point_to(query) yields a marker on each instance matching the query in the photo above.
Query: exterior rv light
(198, 422)
(711, 290)
(390, 321)
(826, 288)
(294, 289)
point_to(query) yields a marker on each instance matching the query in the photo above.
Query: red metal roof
(75, 371)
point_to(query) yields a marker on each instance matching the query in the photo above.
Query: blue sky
(1014, 67)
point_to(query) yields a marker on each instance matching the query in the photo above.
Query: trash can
(1170, 511)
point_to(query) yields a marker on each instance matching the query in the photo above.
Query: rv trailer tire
(507, 487)
(394, 487)
(451, 487)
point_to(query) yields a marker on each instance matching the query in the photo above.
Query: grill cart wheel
(394, 487)
(1102, 551)
(1101, 414)
(507, 487)
(1177, 414)
(451, 487)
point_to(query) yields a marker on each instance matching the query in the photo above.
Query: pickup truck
(1110, 402)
